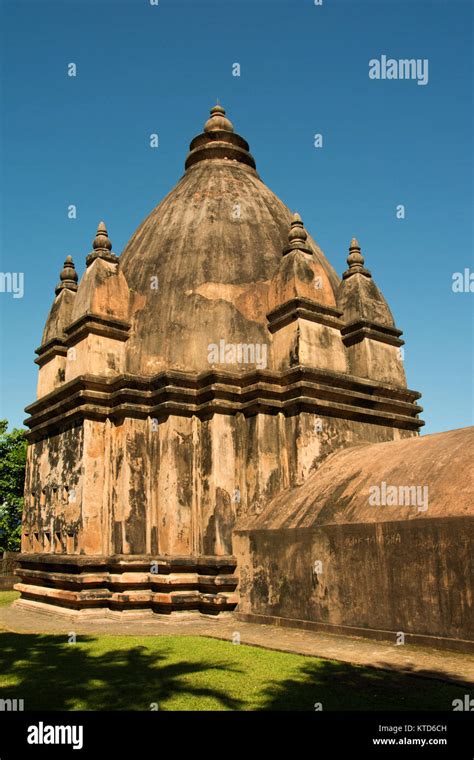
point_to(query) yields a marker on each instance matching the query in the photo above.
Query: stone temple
(216, 409)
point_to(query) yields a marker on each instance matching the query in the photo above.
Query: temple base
(126, 585)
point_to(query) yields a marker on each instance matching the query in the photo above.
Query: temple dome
(199, 266)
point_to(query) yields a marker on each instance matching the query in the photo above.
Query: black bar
(132, 735)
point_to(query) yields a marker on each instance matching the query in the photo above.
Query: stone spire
(355, 261)
(58, 318)
(102, 246)
(369, 334)
(297, 237)
(68, 277)
(303, 317)
(101, 241)
(299, 276)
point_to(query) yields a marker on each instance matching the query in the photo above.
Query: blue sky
(145, 69)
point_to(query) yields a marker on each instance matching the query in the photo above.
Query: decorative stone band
(357, 331)
(46, 352)
(128, 583)
(100, 253)
(299, 389)
(219, 144)
(303, 308)
(109, 327)
(297, 245)
(88, 323)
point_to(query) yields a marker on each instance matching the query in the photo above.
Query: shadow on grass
(330, 685)
(50, 674)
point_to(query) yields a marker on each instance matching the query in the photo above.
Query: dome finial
(355, 260)
(68, 276)
(102, 246)
(218, 121)
(219, 141)
(297, 231)
(101, 241)
(297, 236)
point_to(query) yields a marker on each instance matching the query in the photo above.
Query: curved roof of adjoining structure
(344, 488)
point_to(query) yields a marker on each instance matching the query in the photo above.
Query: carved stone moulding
(250, 393)
(127, 584)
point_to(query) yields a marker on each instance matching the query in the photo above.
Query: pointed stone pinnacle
(355, 260)
(101, 241)
(297, 230)
(297, 236)
(102, 246)
(355, 257)
(68, 276)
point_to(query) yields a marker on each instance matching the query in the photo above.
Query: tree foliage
(12, 480)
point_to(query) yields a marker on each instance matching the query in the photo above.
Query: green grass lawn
(196, 673)
(7, 597)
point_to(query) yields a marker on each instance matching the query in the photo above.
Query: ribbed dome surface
(199, 266)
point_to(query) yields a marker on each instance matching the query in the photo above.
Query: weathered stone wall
(407, 576)
(51, 375)
(177, 485)
(377, 361)
(52, 519)
(172, 468)
(336, 551)
(95, 354)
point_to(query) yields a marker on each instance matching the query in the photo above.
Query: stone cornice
(115, 563)
(219, 144)
(303, 308)
(159, 583)
(109, 327)
(46, 352)
(88, 323)
(105, 255)
(290, 391)
(357, 331)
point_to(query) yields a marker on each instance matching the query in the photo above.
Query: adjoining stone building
(216, 403)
